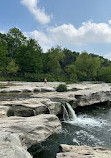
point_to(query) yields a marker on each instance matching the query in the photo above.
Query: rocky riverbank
(28, 111)
(17, 134)
(69, 151)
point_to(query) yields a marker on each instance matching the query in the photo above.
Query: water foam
(82, 120)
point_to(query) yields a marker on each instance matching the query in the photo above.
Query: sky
(79, 25)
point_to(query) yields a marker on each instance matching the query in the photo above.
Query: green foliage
(12, 67)
(88, 65)
(55, 55)
(15, 39)
(71, 73)
(3, 55)
(69, 58)
(61, 88)
(29, 58)
(22, 58)
(105, 74)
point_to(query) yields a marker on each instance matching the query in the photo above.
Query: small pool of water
(92, 127)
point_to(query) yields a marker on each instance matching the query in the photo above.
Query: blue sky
(76, 24)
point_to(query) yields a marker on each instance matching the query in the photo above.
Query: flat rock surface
(18, 133)
(70, 151)
(80, 94)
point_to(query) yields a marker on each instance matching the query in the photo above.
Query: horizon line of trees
(22, 58)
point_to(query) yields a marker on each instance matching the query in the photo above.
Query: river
(91, 127)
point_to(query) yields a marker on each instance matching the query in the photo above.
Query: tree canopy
(22, 58)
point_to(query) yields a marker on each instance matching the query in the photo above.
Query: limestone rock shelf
(69, 151)
(22, 100)
(17, 134)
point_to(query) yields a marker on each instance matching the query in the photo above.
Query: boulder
(17, 134)
(11, 147)
(19, 110)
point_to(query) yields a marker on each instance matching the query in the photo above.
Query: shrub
(61, 88)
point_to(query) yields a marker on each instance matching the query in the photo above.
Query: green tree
(29, 58)
(3, 56)
(104, 74)
(69, 58)
(54, 56)
(71, 73)
(15, 39)
(88, 65)
(12, 68)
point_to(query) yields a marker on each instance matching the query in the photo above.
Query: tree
(69, 58)
(88, 65)
(71, 73)
(104, 74)
(29, 58)
(15, 39)
(3, 56)
(12, 68)
(55, 55)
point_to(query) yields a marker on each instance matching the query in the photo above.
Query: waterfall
(49, 109)
(65, 114)
(69, 116)
(34, 112)
(73, 116)
(69, 113)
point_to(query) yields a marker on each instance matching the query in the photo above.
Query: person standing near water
(45, 81)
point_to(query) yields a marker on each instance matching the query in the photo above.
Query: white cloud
(108, 56)
(39, 14)
(43, 39)
(67, 35)
(87, 33)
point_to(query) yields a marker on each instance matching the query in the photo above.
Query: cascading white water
(65, 114)
(34, 112)
(72, 116)
(69, 115)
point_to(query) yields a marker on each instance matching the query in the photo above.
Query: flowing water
(91, 126)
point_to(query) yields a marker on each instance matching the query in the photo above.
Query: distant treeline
(22, 58)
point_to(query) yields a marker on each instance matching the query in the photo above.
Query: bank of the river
(23, 101)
